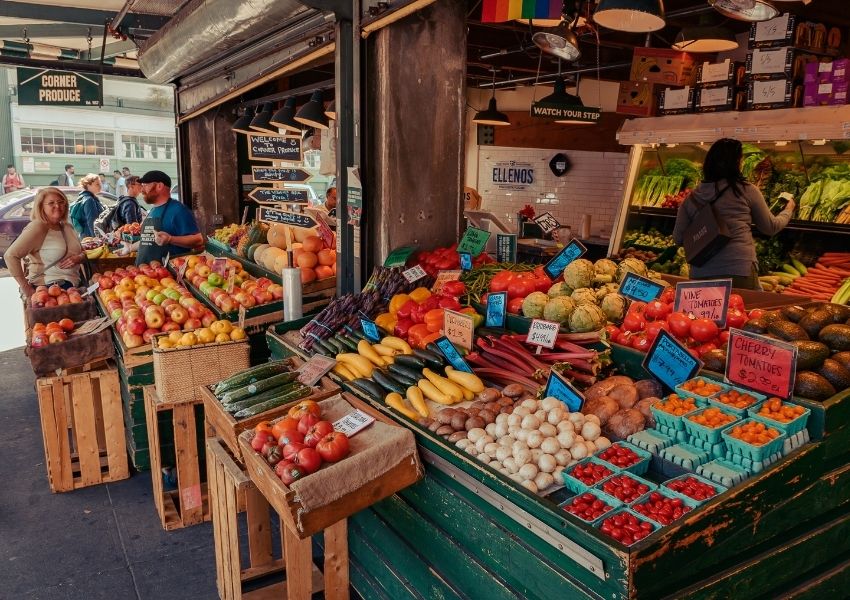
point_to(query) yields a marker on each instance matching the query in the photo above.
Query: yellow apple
(205, 335)
(238, 334)
(188, 339)
(164, 342)
(174, 336)
(221, 326)
(222, 337)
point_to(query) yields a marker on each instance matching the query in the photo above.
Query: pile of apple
(145, 300)
(52, 333)
(54, 296)
(218, 332)
(247, 290)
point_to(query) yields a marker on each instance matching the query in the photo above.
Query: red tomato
(723, 338)
(292, 449)
(707, 347)
(704, 330)
(315, 434)
(261, 438)
(521, 286)
(612, 331)
(273, 455)
(679, 324)
(304, 407)
(736, 301)
(623, 338)
(640, 342)
(287, 437)
(755, 313)
(515, 305)
(279, 467)
(653, 328)
(309, 459)
(540, 272)
(284, 425)
(501, 280)
(634, 322)
(736, 318)
(657, 310)
(542, 284)
(637, 307)
(668, 296)
(306, 422)
(333, 447)
(291, 473)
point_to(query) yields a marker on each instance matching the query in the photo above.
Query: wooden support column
(415, 133)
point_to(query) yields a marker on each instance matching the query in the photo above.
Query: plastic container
(689, 502)
(791, 427)
(740, 412)
(576, 485)
(636, 479)
(669, 420)
(638, 516)
(752, 466)
(706, 434)
(719, 489)
(754, 453)
(612, 502)
(639, 468)
(701, 400)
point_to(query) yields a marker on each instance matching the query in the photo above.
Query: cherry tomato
(260, 439)
(704, 330)
(333, 447)
(679, 324)
(315, 434)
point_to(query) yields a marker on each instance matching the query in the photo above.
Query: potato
(474, 423)
(457, 436)
(601, 406)
(626, 422)
(626, 395)
(513, 390)
(445, 416)
(488, 395)
(643, 406)
(425, 422)
(458, 421)
(445, 430)
(648, 388)
(602, 388)
(434, 426)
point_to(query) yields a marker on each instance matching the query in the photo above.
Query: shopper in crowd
(120, 183)
(66, 179)
(87, 207)
(738, 204)
(330, 201)
(12, 180)
(128, 209)
(170, 228)
(125, 171)
(104, 185)
(48, 243)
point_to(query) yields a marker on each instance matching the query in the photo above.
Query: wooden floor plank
(186, 453)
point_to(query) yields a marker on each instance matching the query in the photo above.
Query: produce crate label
(399, 256)
(635, 287)
(547, 222)
(761, 363)
(92, 289)
(465, 261)
(575, 249)
(563, 390)
(452, 355)
(315, 368)
(669, 361)
(543, 333)
(353, 423)
(704, 299)
(497, 309)
(473, 241)
(458, 328)
(370, 330)
(191, 497)
(242, 311)
(414, 273)
(444, 277)
(506, 247)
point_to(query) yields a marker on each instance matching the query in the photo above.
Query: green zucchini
(320, 349)
(348, 343)
(300, 392)
(257, 387)
(258, 398)
(401, 371)
(370, 388)
(328, 350)
(251, 375)
(334, 345)
(360, 335)
(388, 383)
(410, 360)
(433, 360)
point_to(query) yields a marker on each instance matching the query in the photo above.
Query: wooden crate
(188, 504)
(304, 524)
(81, 311)
(228, 428)
(83, 429)
(74, 353)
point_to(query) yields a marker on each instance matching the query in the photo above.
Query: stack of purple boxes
(826, 83)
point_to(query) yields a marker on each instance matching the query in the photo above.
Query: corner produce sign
(267, 214)
(563, 390)
(669, 361)
(41, 87)
(278, 174)
(635, 287)
(761, 363)
(559, 262)
(283, 195)
(277, 147)
(705, 299)
(473, 241)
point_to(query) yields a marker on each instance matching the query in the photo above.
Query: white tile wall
(593, 186)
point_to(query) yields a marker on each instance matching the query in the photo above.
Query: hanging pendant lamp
(633, 16)
(559, 41)
(706, 36)
(284, 118)
(745, 10)
(243, 123)
(313, 113)
(491, 116)
(330, 111)
(260, 122)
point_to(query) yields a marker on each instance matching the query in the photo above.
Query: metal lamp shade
(243, 123)
(705, 39)
(560, 42)
(284, 118)
(260, 122)
(745, 10)
(491, 116)
(330, 111)
(633, 16)
(313, 113)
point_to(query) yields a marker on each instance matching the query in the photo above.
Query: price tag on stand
(242, 316)
(705, 299)
(547, 222)
(399, 256)
(353, 423)
(459, 328)
(370, 330)
(314, 369)
(473, 241)
(635, 287)
(452, 355)
(575, 249)
(167, 259)
(92, 289)
(231, 280)
(497, 309)
(465, 261)
(669, 361)
(761, 363)
(543, 334)
(181, 272)
(219, 265)
(558, 387)
(506, 247)
(414, 273)
(444, 277)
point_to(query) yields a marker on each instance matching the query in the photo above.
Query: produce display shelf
(793, 224)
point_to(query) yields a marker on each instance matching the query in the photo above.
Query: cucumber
(348, 343)
(410, 360)
(259, 386)
(433, 360)
(388, 383)
(401, 371)
(234, 407)
(298, 393)
(325, 348)
(333, 345)
(251, 375)
(370, 388)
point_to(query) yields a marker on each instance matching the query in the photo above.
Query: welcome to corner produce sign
(50, 87)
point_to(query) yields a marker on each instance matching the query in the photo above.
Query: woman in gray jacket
(739, 205)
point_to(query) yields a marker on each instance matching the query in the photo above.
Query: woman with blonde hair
(87, 207)
(49, 244)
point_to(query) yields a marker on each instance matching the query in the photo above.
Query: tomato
(657, 310)
(304, 407)
(286, 424)
(634, 322)
(736, 318)
(521, 286)
(623, 338)
(501, 280)
(306, 422)
(612, 331)
(260, 439)
(515, 305)
(723, 338)
(637, 307)
(542, 284)
(287, 437)
(317, 432)
(273, 455)
(333, 447)
(264, 426)
(704, 330)
(278, 468)
(653, 329)
(640, 342)
(707, 347)
(736, 301)
(454, 288)
(755, 313)
(668, 296)
(309, 459)
(292, 449)
(292, 473)
(679, 324)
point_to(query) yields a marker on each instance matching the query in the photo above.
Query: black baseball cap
(156, 177)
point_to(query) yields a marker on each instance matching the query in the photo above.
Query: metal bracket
(569, 548)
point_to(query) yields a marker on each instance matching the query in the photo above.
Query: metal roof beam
(81, 16)
(48, 30)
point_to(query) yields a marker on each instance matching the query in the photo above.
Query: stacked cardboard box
(826, 83)
(653, 69)
(719, 87)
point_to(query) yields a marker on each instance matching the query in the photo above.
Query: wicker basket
(180, 372)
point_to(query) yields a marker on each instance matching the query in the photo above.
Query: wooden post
(336, 561)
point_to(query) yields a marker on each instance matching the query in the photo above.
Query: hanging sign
(669, 361)
(704, 299)
(543, 333)
(267, 214)
(49, 87)
(547, 222)
(452, 355)
(575, 249)
(563, 390)
(278, 174)
(561, 112)
(635, 287)
(277, 147)
(473, 241)
(399, 256)
(497, 309)
(761, 363)
(283, 195)
(506, 247)
(459, 328)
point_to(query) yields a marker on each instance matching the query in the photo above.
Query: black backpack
(105, 221)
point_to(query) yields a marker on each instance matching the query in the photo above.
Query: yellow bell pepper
(397, 302)
(420, 295)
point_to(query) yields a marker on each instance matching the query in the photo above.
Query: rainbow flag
(497, 11)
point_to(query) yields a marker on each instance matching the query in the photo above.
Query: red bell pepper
(416, 335)
(406, 309)
(402, 326)
(449, 303)
(453, 288)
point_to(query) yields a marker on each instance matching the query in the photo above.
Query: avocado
(840, 313)
(715, 360)
(816, 320)
(810, 355)
(794, 313)
(786, 330)
(835, 373)
(771, 316)
(843, 358)
(837, 337)
(757, 325)
(814, 386)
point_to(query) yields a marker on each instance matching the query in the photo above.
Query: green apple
(158, 298)
(151, 294)
(172, 293)
(215, 280)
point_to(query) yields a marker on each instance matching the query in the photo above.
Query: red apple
(148, 334)
(132, 340)
(208, 319)
(161, 273)
(179, 314)
(39, 340)
(192, 324)
(196, 311)
(227, 304)
(106, 283)
(136, 325)
(171, 326)
(51, 302)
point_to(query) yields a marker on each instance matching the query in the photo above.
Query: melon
(249, 254)
(302, 233)
(258, 253)
(270, 256)
(280, 263)
(277, 236)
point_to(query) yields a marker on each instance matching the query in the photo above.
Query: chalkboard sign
(558, 387)
(497, 308)
(635, 287)
(274, 147)
(286, 195)
(669, 361)
(279, 174)
(267, 214)
(506, 247)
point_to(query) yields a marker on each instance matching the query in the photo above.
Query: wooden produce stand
(80, 311)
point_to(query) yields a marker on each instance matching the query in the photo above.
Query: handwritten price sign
(473, 241)
(314, 369)
(563, 390)
(705, 299)
(761, 363)
(414, 273)
(459, 328)
(559, 262)
(669, 361)
(640, 288)
(444, 277)
(543, 333)
(497, 309)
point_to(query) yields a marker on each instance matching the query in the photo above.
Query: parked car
(15, 208)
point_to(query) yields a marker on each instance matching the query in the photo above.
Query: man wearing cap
(170, 227)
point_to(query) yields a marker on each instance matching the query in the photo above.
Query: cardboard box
(637, 98)
(827, 71)
(721, 74)
(658, 65)
(676, 101)
(830, 93)
(775, 93)
(773, 33)
(714, 99)
(777, 63)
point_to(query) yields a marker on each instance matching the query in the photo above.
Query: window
(148, 146)
(64, 141)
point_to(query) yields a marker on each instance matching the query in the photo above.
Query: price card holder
(242, 311)
(465, 261)
(547, 222)
(543, 333)
(231, 280)
(452, 355)
(370, 330)
(473, 241)
(506, 247)
(181, 272)
(635, 287)
(219, 265)
(414, 273)
(705, 299)
(459, 328)
(353, 423)
(444, 277)
(563, 390)
(761, 363)
(497, 309)
(575, 249)
(314, 369)
(92, 289)
(399, 256)
(167, 259)
(669, 361)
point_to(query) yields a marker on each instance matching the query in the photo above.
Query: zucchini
(300, 392)
(327, 348)
(251, 375)
(234, 407)
(409, 360)
(406, 372)
(316, 348)
(257, 387)
(370, 388)
(388, 383)
(357, 333)
(433, 360)
(348, 343)
(434, 349)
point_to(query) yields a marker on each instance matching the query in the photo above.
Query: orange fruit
(327, 257)
(312, 243)
(307, 260)
(307, 275)
(323, 272)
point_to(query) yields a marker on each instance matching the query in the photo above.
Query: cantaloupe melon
(280, 263)
(277, 235)
(270, 257)
(258, 253)
(302, 233)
